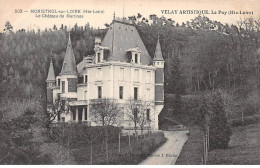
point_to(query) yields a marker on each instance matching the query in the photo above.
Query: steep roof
(158, 52)
(69, 64)
(122, 36)
(51, 75)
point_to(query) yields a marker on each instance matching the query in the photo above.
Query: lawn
(192, 150)
(244, 147)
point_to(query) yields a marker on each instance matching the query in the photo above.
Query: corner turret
(158, 62)
(69, 73)
(50, 83)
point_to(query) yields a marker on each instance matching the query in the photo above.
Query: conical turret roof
(69, 63)
(51, 75)
(158, 52)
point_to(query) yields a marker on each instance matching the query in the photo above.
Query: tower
(50, 83)
(158, 62)
(69, 73)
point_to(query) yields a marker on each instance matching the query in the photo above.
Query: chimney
(97, 41)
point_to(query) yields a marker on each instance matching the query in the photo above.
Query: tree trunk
(91, 153)
(136, 131)
(119, 143)
(106, 146)
(198, 81)
(210, 83)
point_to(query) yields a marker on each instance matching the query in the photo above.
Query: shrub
(220, 131)
(16, 137)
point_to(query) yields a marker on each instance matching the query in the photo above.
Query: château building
(121, 69)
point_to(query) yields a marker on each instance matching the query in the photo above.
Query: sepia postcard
(130, 82)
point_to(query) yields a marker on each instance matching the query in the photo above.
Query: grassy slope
(244, 147)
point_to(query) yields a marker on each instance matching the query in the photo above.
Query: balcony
(78, 103)
(82, 85)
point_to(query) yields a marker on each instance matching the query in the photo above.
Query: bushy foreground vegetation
(20, 143)
(88, 144)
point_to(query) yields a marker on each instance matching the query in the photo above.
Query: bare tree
(59, 106)
(137, 112)
(105, 112)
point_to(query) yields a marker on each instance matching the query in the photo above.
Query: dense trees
(201, 55)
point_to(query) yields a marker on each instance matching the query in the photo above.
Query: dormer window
(58, 82)
(136, 58)
(134, 55)
(98, 57)
(102, 54)
(86, 78)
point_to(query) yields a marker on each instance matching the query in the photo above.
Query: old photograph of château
(128, 82)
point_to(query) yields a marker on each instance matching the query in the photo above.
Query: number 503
(18, 11)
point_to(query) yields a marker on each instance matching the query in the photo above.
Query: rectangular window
(121, 92)
(63, 119)
(98, 57)
(135, 93)
(63, 104)
(136, 58)
(104, 55)
(58, 96)
(86, 78)
(80, 112)
(148, 115)
(80, 79)
(86, 113)
(58, 116)
(63, 86)
(135, 113)
(99, 92)
(58, 82)
(73, 109)
(121, 74)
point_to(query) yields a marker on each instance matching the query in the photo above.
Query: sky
(9, 10)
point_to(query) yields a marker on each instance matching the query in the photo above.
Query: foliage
(220, 131)
(18, 140)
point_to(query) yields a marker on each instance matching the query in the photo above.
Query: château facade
(121, 69)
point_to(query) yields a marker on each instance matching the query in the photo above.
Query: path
(168, 153)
